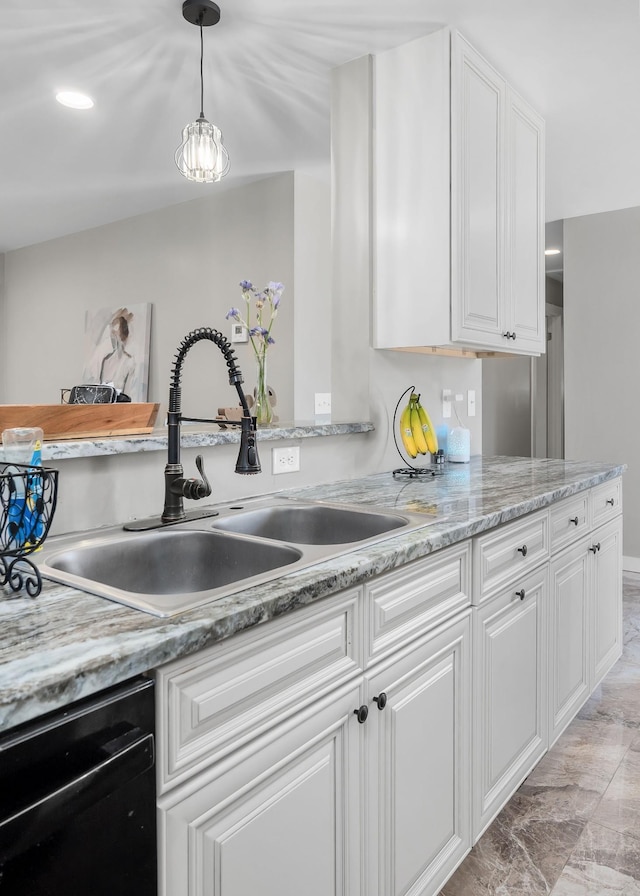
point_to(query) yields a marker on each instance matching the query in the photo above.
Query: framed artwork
(116, 348)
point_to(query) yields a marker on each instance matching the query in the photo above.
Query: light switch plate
(446, 402)
(239, 333)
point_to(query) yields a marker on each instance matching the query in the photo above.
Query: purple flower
(265, 310)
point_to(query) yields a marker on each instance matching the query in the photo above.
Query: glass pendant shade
(202, 156)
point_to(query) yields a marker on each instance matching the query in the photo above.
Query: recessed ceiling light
(74, 100)
(552, 251)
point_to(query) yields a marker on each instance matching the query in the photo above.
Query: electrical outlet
(285, 460)
(322, 403)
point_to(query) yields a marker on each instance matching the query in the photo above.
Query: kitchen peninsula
(450, 656)
(67, 644)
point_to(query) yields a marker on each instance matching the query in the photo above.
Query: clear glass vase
(263, 409)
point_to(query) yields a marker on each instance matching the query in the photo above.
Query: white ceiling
(267, 69)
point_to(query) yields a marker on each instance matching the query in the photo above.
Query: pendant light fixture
(202, 156)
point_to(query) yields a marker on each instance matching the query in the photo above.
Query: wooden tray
(81, 421)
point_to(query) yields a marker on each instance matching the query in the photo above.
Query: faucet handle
(204, 487)
(197, 488)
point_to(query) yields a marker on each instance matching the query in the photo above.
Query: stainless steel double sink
(179, 567)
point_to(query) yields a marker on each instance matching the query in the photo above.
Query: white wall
(602, 322)
(312, 319)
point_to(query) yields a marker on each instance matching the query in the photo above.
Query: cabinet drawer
(606, 502)
(218, 699)
(406, 602)
(503, 555)
(568, 521)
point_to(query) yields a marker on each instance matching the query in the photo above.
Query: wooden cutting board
(81, 421)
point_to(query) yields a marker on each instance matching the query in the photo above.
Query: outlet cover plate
(285, 460)
(322, 403)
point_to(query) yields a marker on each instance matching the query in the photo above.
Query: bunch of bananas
(416, 429)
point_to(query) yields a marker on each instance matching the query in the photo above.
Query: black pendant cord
(201, 74)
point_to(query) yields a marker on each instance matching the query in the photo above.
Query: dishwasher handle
(38, 820)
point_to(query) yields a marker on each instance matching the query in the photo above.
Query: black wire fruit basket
(27, 504)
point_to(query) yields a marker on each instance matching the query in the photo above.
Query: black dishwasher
(78, 799)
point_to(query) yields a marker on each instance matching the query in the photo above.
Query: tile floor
(573, 827)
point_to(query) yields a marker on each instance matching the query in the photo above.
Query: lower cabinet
(509, 692)
(280, 819)
(607, 606)
(586, 621)
(417, 735)
(569, 634)
(363, 791)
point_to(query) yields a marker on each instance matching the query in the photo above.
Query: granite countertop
(65, 644)
(192, 436)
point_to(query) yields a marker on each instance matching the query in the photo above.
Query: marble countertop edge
(192, 436)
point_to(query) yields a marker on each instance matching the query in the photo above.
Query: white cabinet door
(280, 818)
(569, 635)
(411, 193)
(524, 291)
(477, 188)
(509, 693)
(418, 749)
(607, 598)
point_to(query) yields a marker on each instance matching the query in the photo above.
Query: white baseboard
(631, 564)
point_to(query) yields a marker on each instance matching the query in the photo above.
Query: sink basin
(314, 524)
(165, 571)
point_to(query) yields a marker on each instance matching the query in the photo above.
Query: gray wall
(553, 292)
(506, 406)
(602, 322)
(187, 260)
(312, 318)
(3, 324)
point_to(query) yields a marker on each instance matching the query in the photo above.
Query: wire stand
(408, 471)
(27, 504)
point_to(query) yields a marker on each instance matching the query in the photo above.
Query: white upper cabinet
(478, 96)
(525, 286)
(458, 203)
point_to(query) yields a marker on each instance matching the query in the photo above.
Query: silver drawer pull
(523, 550)
(575, 521)
(521, 594)
(594, 548)
(610, 501)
